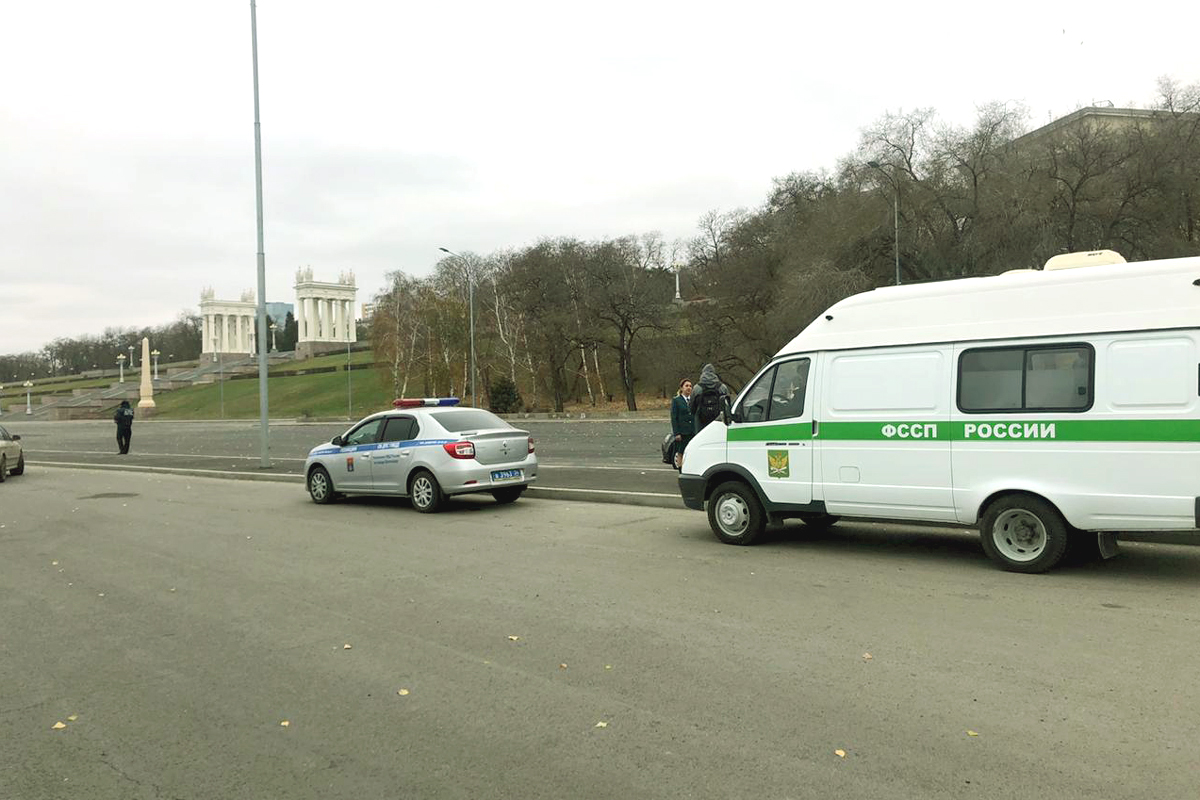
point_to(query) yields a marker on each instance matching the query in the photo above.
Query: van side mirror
(337, 440)
(726, 415)
(16, 437)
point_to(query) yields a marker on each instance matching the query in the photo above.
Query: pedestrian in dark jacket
(709, 398)
(124, 419)
(683, 424)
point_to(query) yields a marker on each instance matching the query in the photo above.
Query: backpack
(708, 409)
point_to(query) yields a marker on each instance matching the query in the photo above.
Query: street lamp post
(131, 364)
(274, 346)
(1, 400)
(121, 368)
(896, 213)
(155, 354)
(471, 304)
(28, 398)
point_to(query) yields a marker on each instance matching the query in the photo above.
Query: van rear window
(1030, 379)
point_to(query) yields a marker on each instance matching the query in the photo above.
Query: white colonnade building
(228, 325)
(324, 313)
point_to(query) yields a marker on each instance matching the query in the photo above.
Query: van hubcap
(733, 514)
(1019, 535)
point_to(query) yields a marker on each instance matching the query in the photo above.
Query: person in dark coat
(683, 425)
(709, 399)
(124, 419)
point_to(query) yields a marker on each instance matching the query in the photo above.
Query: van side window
(1054, 378)
(787, 395)
(757, 400)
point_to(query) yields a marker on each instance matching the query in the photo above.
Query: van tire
(1023, 533)
(735, 513)
(817, 521)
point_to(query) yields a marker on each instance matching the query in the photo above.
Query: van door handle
(816, 428)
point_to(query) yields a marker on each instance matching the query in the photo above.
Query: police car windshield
(467, 419)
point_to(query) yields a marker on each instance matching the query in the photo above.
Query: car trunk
(499, 446)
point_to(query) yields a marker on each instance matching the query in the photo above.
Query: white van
(1035, 405)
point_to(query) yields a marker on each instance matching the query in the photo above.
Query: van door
(771, 435)
(884, 429)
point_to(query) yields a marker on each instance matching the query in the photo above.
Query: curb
(651, 499)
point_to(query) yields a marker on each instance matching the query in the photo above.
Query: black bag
(708, 409)
(668, 449)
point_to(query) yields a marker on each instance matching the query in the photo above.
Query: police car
(427, 450)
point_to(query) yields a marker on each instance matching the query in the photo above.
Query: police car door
(771, 435)
(351, 468)
(393, 458)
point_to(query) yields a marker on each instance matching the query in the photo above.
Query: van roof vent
(1090, 259)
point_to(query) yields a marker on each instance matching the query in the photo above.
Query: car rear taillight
(460, 449)
(531, 444)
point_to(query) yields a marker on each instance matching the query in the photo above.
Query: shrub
(505, 398)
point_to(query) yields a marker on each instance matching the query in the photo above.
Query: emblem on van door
(777, 464)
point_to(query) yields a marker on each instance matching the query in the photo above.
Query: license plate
(506, 475)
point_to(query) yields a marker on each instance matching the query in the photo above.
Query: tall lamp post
(261, 327)
(28, 401)
(121, 368)
(131, 364)
(471, 305)
(895, 210)
(155, 354)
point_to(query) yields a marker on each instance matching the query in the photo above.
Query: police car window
(365, 433)
(1026, 379)
(398, 429)
(757, 399)
(787, 394)
(467, 419)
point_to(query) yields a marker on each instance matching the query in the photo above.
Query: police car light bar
(405, 402)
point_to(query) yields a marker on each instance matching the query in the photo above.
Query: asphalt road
(600, 458)
(171, 624)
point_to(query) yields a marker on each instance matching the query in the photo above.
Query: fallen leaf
(346, 647)
(972, 733)
(601, 724)
(72, 718)
(284, 724)
(403, 692)
(608, 666)
(101, 594)
(172, 588)
(840, 753)
(54, 563)
(867, 656)
(513, 638)
(562, 666)
(58, 726)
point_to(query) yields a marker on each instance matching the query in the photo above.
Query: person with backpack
(710, 399)
(683, 424)
(124, 419)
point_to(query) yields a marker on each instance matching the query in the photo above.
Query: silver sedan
(426, 450)
(12, 457)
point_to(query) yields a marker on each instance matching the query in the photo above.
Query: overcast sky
(391, 128)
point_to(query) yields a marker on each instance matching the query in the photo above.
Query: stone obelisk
(147, 400)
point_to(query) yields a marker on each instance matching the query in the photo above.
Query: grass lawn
(322, 395)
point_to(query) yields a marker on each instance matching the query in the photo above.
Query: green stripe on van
(786, 431)
(1022, 430)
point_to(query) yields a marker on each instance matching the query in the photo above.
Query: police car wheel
(1023, 533)
(425, 492)
(20, 468)
(320, 487)
(509, 494)
(735, 514)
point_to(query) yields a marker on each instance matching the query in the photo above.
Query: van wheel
(425, 493)
(1024, 534)
(819, 522)
(735, 514)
